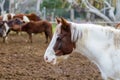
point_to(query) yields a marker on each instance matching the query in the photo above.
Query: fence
(70, 14)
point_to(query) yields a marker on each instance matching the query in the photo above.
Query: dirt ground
(20, 60)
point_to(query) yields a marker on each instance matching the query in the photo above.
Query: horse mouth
(58, 53)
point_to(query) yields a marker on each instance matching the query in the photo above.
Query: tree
(2, 2)
(111, 17)
(51, 4)
(38, 6)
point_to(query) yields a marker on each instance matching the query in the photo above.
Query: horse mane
(33, 16)
(76, 30)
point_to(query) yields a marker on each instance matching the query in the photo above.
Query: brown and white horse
(6, 26)
(24, 17)
(100, 44)
(7, 17)
(28, 17)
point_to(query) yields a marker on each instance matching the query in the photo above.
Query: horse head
(61, 44)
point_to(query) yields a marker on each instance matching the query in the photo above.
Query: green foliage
(53, 27)
(51, 4)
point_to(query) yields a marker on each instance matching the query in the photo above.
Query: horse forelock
(75, 33)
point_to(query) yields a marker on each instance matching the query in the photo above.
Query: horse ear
(64, 23)
(58, 20)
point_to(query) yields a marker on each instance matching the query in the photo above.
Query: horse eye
(58, 39)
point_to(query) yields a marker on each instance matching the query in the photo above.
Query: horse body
(38, 27)
(100, 44)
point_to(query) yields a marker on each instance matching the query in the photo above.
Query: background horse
(28, 17)
(6, 26)
(100, 44)
(38, 27)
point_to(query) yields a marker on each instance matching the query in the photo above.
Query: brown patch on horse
(9, 16)
(64, 44)
(19, 16)
(33, 17)
(38, 27)
(117, 26)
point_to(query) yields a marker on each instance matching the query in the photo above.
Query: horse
(37, 27)
(27, 17)
(4, 30)
(7, 17)
(33, 17)
(99, 44)
(22, 16)
(7, 26)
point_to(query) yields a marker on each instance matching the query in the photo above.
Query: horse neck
(24, 26)
(90, 39)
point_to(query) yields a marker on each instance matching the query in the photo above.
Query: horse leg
(4, 39)
(46, 35)
(30, 37)
(50, 35)
(18, 32)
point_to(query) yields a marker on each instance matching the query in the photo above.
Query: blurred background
(73, 10)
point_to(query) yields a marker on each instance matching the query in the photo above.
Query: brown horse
(33, 17)
(38, 27)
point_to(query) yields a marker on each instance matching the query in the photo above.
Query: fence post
(88, 15)
(72, 14)
(52, 17)
(44, 13)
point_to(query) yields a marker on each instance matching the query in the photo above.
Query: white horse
(99, 44)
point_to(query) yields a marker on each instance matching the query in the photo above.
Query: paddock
(20, 60)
